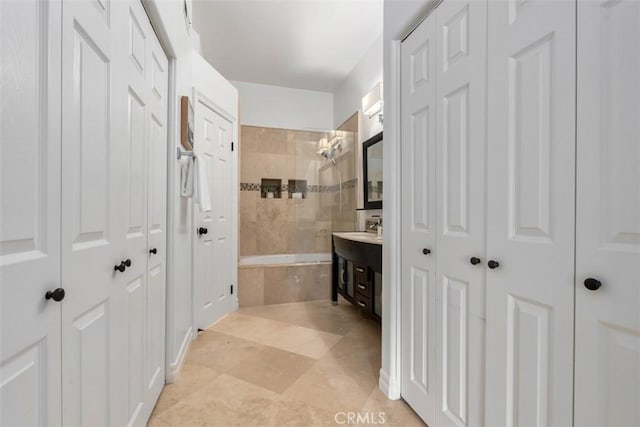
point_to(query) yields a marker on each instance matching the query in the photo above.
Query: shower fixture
(330, 149)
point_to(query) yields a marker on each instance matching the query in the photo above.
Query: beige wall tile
(250, 286)
(248, 240)
(248, 139)
(248, 206)
(272, 230)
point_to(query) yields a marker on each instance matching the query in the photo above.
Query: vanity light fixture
(372, 102)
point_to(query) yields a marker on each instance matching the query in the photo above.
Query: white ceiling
(305, 44)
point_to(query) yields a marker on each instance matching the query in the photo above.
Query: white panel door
(213, 249)
(97, 216)
(157, 221)
(460, 227)
(30, 351)
(418, 219)
(607, 391)
(530, 214)
(133, 304)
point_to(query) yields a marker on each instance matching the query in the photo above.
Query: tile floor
(295, 364)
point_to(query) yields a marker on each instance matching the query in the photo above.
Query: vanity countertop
(360, 236)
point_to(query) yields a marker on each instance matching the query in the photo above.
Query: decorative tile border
(352, 183)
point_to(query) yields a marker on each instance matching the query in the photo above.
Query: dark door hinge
(232, 145)
(231, 289)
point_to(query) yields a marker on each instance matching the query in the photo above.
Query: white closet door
(134, 209)
(460, 232)
(157, 212)
(30, 392)
(213, 254)
(418, 219)
(96, 214)
(608, 215)
(531, 148)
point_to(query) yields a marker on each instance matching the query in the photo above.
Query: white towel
(186, 176)
(202, 185)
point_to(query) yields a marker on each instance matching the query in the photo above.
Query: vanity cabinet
(357, 271)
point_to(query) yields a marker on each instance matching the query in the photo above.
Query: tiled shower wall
(281, 225)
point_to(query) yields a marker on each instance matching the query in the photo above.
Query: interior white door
(143, 302)
(158, 84)
(133, 305)
(213, 247)
(418, 179)
(97, 216)
(530, 215)
(30, 346)
(461, 40)
(607, 379)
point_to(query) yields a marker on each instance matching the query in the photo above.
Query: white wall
(348, 96)
(181, 42)
(400, 16)
(286, 108)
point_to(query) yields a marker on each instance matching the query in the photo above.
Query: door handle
(360, 270)
(493, 264)
(592, 284)
(56, 295)
(127, 262)
(360, 286)
(474, 260)
(426, 251)
(153, 251)
(121, 267)
(202, 230)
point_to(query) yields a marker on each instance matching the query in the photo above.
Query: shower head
(330, 150)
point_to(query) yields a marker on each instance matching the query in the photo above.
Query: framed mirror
(372, 172)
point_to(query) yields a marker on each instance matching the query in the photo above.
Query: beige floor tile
(333, 387)
(357, 354)
(250, 370)
(227, 401)
(396, 412)
(297, 339)
(292, 413)
(271, 368)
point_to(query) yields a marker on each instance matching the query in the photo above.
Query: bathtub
(284, 278)
(286, 259)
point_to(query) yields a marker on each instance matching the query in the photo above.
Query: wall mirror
(372, 172)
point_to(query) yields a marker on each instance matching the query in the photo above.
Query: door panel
(100, 215)
(418, 219)
(608, 214)
(30, 348)
(157, 223)
(530, 215)
(460, 221)
(213, 251)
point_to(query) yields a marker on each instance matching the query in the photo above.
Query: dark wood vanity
(357, 271)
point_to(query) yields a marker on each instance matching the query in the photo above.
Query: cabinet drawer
(361, 273)
(364, 288)
(362, 302)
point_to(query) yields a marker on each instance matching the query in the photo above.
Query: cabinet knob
(426, 251)
(592, 284)
(127, 262)
(56, 295)
(153, 251)
(474, 260)
(120, 267)
(493, 264)
(202, 230)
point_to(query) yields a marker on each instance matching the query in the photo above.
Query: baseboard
(174, 368)
(388, 386)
